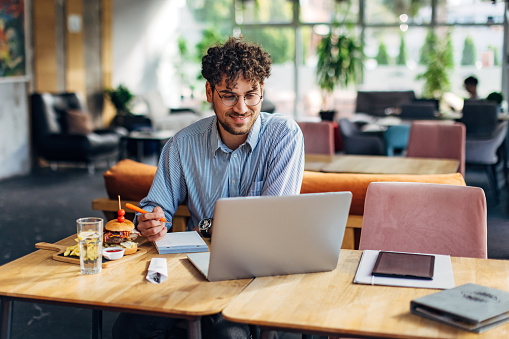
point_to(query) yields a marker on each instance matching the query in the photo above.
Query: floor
(43, 206)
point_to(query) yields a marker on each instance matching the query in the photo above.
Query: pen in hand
(137, 209)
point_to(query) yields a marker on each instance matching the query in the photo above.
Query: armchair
(62, 131)
(357, 142)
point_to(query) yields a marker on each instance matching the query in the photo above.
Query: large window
(394, 36)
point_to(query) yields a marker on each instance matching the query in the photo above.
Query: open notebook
(274, 235)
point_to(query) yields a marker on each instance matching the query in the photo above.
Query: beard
(234, 128)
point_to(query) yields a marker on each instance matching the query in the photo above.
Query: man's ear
(209, 91)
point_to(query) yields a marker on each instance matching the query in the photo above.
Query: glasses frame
(237, 101)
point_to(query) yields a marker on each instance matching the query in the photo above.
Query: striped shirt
(196, 167)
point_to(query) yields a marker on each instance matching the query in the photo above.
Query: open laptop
(275, 235)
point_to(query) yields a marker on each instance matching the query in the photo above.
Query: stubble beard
(231, 128)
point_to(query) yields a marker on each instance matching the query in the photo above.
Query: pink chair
(318, 137)
(429, 139)
(425, 218)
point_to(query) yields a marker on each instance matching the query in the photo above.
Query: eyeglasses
(231, 99)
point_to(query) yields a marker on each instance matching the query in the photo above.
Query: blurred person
(470, 85)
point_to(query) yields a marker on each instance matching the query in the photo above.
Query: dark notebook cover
(404, 265)
(470, 307)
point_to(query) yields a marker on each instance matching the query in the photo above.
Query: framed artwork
(12, 39)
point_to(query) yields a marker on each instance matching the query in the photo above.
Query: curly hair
(234, 58)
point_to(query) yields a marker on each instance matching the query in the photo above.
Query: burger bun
(115, 226)
(130, 247)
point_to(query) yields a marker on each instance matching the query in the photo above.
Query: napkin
(157, 270)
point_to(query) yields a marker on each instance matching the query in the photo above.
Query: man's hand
(150, 226)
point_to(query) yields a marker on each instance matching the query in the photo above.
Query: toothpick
(119, 205)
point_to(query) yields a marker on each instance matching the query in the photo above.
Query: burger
(120, 234)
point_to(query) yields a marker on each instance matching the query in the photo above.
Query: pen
(137, 209)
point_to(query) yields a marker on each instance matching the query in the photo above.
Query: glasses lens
(252, 99)
(229, 99)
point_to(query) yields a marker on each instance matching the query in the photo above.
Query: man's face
(235, 122)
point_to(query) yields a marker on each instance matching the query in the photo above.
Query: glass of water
(90, 237)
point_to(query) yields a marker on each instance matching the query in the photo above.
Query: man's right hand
(150, 226)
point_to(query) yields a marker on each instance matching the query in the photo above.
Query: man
(239, 151)
(470, 84)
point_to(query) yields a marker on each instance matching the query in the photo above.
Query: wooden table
(186, 294)
(372, 164)
(329, 303)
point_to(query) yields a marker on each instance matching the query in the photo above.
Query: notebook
(275, 235)
(471, 307)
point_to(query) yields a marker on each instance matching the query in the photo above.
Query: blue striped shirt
(196, 167)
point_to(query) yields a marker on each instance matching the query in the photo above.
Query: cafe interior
(91, 90)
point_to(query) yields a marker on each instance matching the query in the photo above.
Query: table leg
(139, 150)
(97, 324)
(268, 334)
(122, 154)
(7, 305)
(194, 328)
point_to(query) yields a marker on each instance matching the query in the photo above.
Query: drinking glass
(90, 236)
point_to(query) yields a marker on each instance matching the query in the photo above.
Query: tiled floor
(43, 207)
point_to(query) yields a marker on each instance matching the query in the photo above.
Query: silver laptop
(275, 235)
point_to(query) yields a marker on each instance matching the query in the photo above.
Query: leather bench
(132, 180)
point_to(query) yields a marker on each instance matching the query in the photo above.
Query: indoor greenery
(340, 58)
(382, 57)
(436, 77)
(402, 55)
(120, 98)
(468, 56)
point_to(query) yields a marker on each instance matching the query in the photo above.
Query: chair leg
(491, 171)
(503, 158)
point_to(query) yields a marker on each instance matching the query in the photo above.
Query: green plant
(427, 48)
(382, 58)
(436, 77)
(340, 57)
(469, 55)
(340, 60)
(402, 55)
(120, 98)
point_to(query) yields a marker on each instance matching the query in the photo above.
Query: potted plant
(120, 98)
(340, 62)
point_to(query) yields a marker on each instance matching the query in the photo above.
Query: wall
(145, 35)
(14, 128)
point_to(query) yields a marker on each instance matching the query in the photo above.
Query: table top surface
(329, 302)
(371, 164)
(150, 135)
(185, 293)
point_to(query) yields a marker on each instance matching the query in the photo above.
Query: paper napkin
(157, 270)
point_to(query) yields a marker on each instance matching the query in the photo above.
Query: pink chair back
(425, 218)
(440, 140)
(318, 137)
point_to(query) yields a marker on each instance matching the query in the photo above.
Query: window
(392, 34)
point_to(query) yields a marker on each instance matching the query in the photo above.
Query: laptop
(275, 235)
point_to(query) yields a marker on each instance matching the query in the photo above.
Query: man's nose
(240, 106)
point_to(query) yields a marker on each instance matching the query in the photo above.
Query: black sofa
(57, 137)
